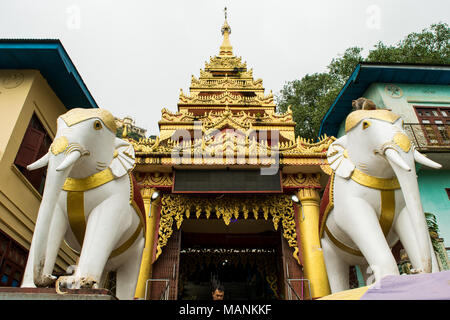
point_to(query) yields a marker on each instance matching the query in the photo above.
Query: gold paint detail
(342, 246)
(375, 182)
(386, 219)
(326, 169)
(59, 145)
(175, 208)
(356, 116)
(77, 220)
(243, 149)
(97, 125)
(402, 140)
(154, 179)
(75, 213)
(313, 259)
(366, 124)
(329, 206)
(387, 210)
(91, 182)
(302, 180)
(78, 115)
(123, 247)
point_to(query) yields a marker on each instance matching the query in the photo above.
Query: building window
(35, 144)
(435, 122)
(13, 259)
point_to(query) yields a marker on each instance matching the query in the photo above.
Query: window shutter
(36, 176)
(29, 148)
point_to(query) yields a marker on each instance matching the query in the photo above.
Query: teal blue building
(420, 94)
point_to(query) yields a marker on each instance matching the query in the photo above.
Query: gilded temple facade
(218, 185)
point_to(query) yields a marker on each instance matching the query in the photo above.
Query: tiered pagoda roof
(226, 96)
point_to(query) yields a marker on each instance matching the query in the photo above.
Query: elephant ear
(338, 158)
(124, 158)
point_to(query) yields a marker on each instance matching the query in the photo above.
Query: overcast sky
(134, 56)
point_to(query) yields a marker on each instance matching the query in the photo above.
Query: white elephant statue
(91, 201)
(372, 200)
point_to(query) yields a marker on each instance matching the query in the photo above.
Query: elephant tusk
(42, 162)
(394, 157)
(69, 160)
(420, 158)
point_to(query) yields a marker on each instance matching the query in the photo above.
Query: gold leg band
(77, 221)
(127, 243)
(387, 210)
(386, 219)
(75, 212)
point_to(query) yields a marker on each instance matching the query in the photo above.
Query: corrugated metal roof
(367, 73)
(51, 59)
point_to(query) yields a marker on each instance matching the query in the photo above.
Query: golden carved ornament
(213, 119)
(155, 179)
(226, 83)
(326, 169)
(302, 180)
(228, 148)
(227, 97)
(221, 63)
(177, 207)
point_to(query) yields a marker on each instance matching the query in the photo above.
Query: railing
(302, 294)
(165, 294)
(429, 137)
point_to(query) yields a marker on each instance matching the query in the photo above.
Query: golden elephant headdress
(356, 116)
(77, 115)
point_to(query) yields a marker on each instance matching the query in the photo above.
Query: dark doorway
(247, 265)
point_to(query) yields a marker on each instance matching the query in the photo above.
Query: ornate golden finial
(226, 49)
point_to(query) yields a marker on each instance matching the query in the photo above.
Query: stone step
(11, 293)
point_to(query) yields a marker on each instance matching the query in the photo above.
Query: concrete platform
(9, 293)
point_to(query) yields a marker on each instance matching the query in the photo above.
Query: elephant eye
(365, 124)
(97, 125)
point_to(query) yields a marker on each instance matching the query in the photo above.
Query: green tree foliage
(311, 96)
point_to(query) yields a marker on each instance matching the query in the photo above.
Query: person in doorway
(218, 292)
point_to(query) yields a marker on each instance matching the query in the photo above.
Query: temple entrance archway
(244, 256)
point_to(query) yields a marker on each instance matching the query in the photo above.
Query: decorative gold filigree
(268, 119)
(302, 180)
(226, 83)
(155, 179)
(221, 63)
(231, 148)
(227, 97)
(177, 207)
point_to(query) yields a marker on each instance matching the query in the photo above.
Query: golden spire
(226, 49)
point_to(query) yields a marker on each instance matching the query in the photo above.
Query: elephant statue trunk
(406, 175)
